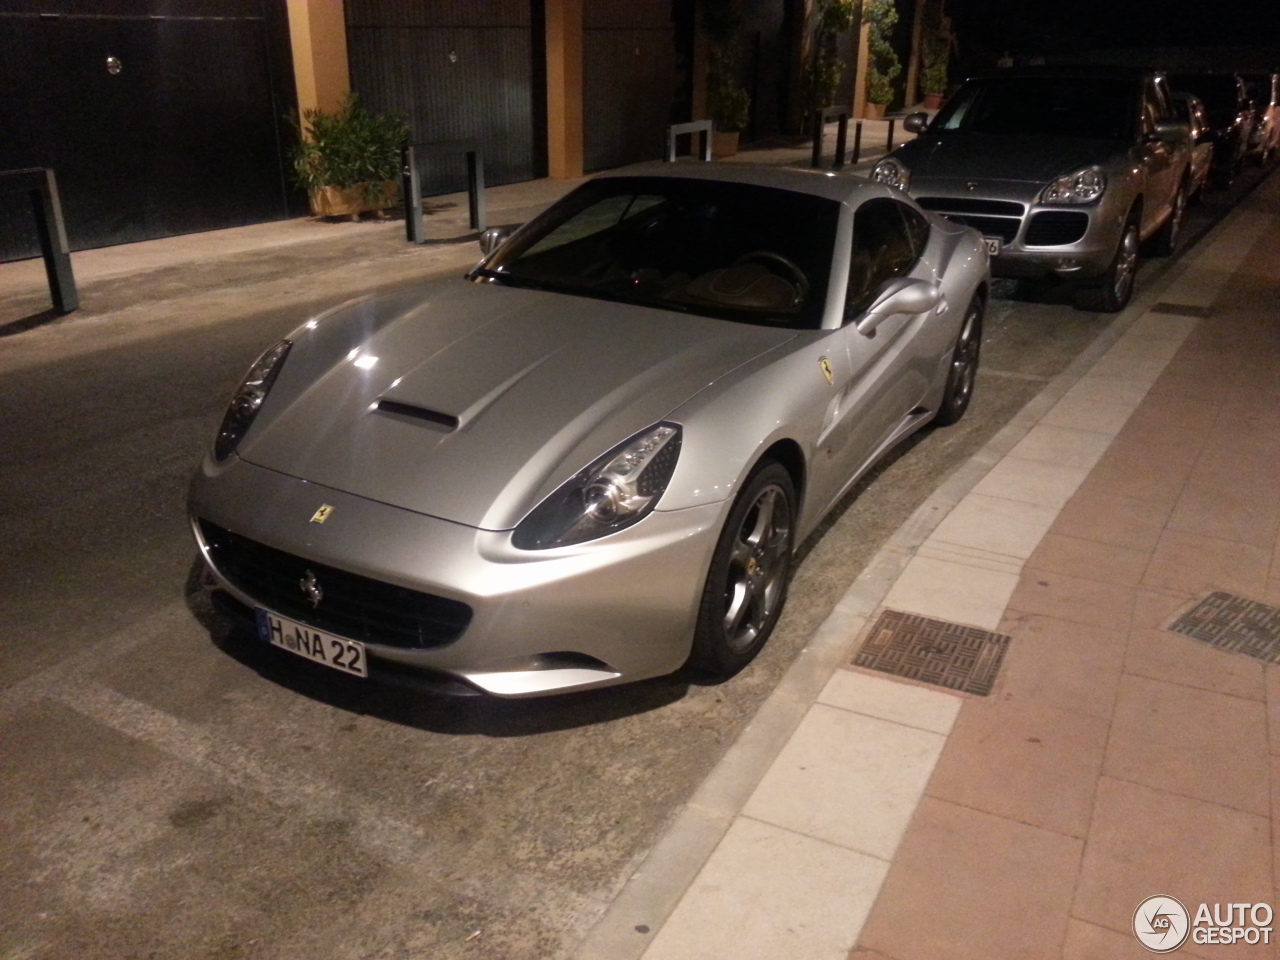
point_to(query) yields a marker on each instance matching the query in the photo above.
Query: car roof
(1081, 70)
(831, 184)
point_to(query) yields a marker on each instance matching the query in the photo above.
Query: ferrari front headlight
(1081, 186)
(611, 494)
(892, 171)
(247, 399)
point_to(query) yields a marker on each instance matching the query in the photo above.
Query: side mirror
(1171, 131)
(902, 295)
(916, 123)
(492, 239)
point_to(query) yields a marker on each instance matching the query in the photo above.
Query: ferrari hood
(974, 156)
(477, 400)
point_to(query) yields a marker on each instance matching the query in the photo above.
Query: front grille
(999, 208)
(1053, 228)
(1001, 227)
(356, 607)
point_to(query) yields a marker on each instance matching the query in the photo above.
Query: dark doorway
(156, 123)
(457, 69)
(629, 81)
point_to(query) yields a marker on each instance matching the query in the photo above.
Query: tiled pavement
(871, 818)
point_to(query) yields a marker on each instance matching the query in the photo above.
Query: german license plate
(993, 245)
(336, 652)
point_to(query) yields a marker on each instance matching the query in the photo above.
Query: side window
(1158, 97)
(883, 248)
(917, 230)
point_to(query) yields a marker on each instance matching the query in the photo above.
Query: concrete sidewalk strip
(803, 860)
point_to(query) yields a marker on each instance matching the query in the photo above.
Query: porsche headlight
(614, 492)
(247, 399)
(893, 172)
(1082, 186)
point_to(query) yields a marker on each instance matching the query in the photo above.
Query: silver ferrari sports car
(590, 460)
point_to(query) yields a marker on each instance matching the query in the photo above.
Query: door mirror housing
(1171, 131)
(492, 239)
(900, 295)
(916, 123)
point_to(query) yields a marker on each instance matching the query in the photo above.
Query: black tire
(750, 570)
(964, 367)
(1113, 290)
(1166, 239)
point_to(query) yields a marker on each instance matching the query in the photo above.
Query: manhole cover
(1234, 624)
(934, 651)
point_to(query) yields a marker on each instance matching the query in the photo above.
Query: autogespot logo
(1161, 924)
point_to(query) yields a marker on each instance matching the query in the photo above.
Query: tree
(884, 65)
(721, 23)
(826, 66)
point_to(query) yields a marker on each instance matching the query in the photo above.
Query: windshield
(1221, 95)
(730, 250)
(1092, 107)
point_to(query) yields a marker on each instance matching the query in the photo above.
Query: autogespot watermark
(1162, 924)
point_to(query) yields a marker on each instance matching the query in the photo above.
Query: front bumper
(610, 611)
(1036, 240)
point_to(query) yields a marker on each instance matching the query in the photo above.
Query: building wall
(186, 132)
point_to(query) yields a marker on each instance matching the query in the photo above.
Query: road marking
(385, 836)
(47, 683)
(1013, 375)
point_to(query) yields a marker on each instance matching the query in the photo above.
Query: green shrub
(884, 66)
(348, 146)
(935, 57)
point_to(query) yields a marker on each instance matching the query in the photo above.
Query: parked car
(1191, 111)
(1264, 138)
(1230, 115)
(590, 460)
(1063, 170)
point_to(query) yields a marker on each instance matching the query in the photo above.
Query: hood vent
(446, 420)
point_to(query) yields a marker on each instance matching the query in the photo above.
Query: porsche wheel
(964, 367)
(750, 568)
(1112, 293)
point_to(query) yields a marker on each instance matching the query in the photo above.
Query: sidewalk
(445, 220)
(874, 818)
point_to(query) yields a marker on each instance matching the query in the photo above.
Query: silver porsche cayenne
(590, 460)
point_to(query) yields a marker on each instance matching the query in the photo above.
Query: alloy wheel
(757, 569)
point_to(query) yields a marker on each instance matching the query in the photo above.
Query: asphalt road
(170, 790)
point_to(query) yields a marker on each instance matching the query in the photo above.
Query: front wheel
(964, 367)
(747, 583)
(1115, 287)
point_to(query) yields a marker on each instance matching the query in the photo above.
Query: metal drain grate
(934, 651)
(1233, 624)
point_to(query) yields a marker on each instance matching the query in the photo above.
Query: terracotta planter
(724, 144)
(874, 111)
(932, 101)
(352, 200)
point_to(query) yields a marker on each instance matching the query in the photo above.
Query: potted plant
(933, 76)
(825, 66)
(730, 111)
(348, 160)
(721, 22)
(883, 65)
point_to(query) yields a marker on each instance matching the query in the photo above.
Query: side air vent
(448, 421)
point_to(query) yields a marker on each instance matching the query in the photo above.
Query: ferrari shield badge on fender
(826, 369)
(321, 515)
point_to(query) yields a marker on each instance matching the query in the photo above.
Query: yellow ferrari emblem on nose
(826, 370)
(321, 515)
